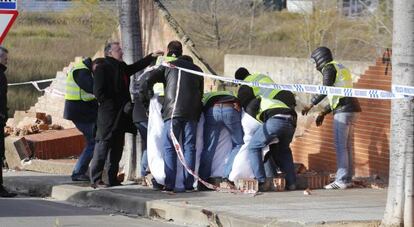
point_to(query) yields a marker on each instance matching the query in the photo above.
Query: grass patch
(40, 44)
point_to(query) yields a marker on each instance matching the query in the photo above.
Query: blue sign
(8, 4)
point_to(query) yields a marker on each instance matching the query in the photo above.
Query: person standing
(344, 111)
(188, 107)
(141, 103)
(221, 111)
(111, 89)
(3, 116)
(81, 108)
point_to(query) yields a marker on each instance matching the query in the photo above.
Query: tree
(129, 21)
(130, 30)
(399, 208)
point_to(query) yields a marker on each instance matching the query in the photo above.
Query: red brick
(56, 144)
(279, 184)
(247, 184)
(23, 148)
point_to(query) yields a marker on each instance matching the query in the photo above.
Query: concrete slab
(33, 183)
(52, 166)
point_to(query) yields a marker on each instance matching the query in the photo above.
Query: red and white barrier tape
(180, 154)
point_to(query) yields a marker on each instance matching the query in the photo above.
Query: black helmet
(321, 56)
(241, 73)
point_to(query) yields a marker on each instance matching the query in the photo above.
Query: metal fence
(54, 6)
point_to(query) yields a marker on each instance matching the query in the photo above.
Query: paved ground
(35, 212)
(363, 207)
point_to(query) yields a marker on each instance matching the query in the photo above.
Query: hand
(306, 109)
(236, 106)
(157, 53)
(319, 119)
(128, 108)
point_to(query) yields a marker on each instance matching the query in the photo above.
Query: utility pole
(129, 22)
(399, 208)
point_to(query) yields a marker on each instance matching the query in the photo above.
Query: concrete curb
(206, 209)
(101, 198)
(179, 212)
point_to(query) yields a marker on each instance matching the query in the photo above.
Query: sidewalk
(353, 207)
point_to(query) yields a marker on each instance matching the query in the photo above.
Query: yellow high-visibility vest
(343, 79)
(261, 78)
(73, 91)
(268, 103)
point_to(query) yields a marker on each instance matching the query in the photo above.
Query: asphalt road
(35, 212)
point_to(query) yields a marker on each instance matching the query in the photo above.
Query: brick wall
(315, 148)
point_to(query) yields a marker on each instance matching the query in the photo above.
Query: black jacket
(3, 97)
(346, 104)
(189, 104)
(78, 110)
(3, 111)
(111, 88)
(141, 101)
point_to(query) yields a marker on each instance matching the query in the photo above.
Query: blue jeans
(188, 132)
(343, 131)
(282, 129)
(82, 164)
(143, 129)
(217, 118)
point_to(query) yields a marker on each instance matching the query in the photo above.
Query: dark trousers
(109, 151)
(142, 128)
(1, 171)
(2, 150)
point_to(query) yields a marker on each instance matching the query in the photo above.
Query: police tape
(35, 83)
(398, 91)
(181, 157)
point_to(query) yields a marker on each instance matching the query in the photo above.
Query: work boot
(5, 194)
(264, 186)
(98, 185)
(155, 185)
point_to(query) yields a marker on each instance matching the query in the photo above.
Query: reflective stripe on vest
(266, 104)
(209, 95)
(343, 79)
(261, 78)
(73, 91)
(158, 88)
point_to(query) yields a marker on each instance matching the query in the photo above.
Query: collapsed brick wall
(315, 148)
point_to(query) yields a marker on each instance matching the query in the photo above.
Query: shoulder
(197, 68)
(329, 70)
